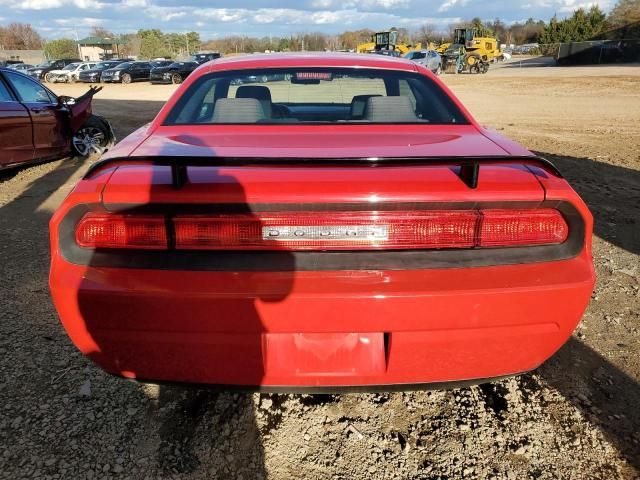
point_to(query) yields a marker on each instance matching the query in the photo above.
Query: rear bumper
(293, 330)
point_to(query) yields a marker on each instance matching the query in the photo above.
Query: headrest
(254, 91)
(237, 110)
(358, 104)
(390, 110)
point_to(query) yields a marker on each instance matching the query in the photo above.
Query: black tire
(472, 59)
(126, 78)
(176, 78)
(94, 137)
(474, 68)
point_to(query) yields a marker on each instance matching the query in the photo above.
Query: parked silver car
(20, 67)
(429, 58)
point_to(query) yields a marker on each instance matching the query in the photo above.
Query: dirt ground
(576, 417)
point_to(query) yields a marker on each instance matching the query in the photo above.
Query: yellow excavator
(469, 52)
(387, 41)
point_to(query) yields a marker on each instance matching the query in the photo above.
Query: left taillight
(122, 231)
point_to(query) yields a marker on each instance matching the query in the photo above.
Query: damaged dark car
(37, 125)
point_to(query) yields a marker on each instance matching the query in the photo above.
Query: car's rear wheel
(126, 78)
(49, 78)
(94, 137)
(176, 78)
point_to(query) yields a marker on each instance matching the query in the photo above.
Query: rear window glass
(293, 96)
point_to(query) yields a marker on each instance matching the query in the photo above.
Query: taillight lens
(327, 231)
(122, 231)
(358, 230)
(521, 227)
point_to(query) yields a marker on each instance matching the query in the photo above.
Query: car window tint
(405, 91)
(5, 96)
(28, 90)
(343, 92)
(293, 96)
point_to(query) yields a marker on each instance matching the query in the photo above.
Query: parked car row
(94, 74)
(70, 70)
(41, 70)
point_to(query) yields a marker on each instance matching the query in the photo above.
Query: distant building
(32, 57)
(93, 49)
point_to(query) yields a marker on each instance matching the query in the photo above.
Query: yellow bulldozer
(385, 43)
(470, 51)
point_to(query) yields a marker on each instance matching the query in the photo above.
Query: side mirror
(64, 100)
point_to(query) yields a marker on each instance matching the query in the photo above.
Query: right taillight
(504, 228)
(328, 230)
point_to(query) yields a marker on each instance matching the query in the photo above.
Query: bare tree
(100, 32)
(20, 36)
(425, 34)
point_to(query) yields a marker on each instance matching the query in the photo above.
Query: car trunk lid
(363, 141)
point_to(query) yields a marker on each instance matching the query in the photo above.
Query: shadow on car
(190, 348)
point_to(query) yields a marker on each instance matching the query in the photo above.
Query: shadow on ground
(606, 395)
(612, 194)
(176, 414)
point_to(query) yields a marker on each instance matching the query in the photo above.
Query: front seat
(358, 104)
(260, 93)
(237, 110)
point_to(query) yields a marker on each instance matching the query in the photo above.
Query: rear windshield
(294, 96)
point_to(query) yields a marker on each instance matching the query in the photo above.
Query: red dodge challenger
(319, 222)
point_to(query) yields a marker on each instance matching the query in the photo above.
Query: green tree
(61, 48)
(581, 26)
(482, 29)
(193, 40)
(153, 44)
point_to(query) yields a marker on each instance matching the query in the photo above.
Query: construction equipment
(469, 52)
(386, 41)
(443, 47)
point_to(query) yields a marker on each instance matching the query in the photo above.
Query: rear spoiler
(469, 166)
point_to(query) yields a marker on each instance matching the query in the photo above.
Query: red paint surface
(319, 328)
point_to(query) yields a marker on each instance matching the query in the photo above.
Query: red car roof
(310, 59)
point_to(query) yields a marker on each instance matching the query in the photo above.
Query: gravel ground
(575, 417)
